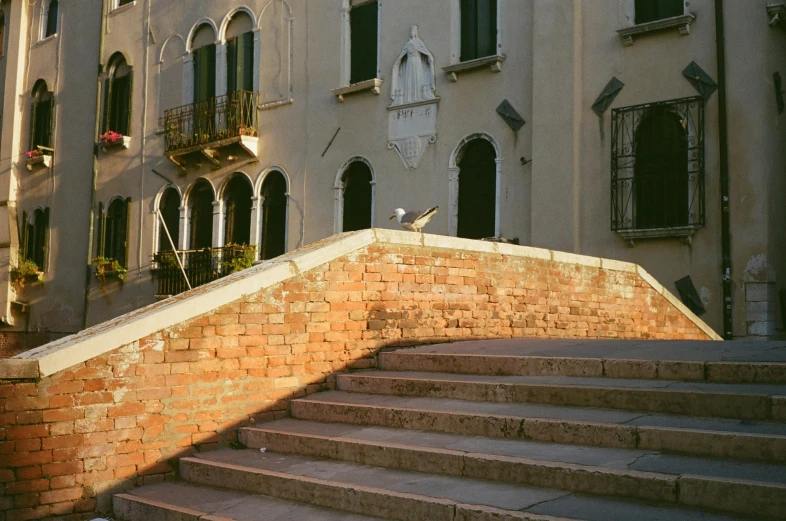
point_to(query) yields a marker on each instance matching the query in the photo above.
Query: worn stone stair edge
(733, 445)
(512, 365)
(125, 504)
(744, 406)
(739, 496)
(357, 499)
(131, 327)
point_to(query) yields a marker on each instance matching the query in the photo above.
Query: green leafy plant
(104, 266)
(237, 257)
(24, 270)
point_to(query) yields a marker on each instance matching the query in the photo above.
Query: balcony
(201, 267)
(216, 129)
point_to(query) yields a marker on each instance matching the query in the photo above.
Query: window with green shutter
(205, 72)
(34, 237)
(117, 99)
(240, 63)
(41, 116)
(51, 18)
(478, 29)
(115, 231)
(363, 29)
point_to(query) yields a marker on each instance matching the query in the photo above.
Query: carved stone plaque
(412, 117)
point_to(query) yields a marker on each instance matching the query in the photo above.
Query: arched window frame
(258, 219)
(113, 232)
(453, 179)
(118, 96)
(34, 237)
(338, 193)
(187, 215)
(42, 111)
(50, 12)
(226, 219)
(249, 42)
(159, 236)
(201, 64)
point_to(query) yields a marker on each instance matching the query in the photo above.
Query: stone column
(498, 199)
(218, 223)
(256, 214)
(453, 187)
(185, 217)
(221, 68)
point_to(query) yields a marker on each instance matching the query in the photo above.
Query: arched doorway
(200, 207)
(477, 186)
(237, 210)
(356, 187)
(661, 170)
(274, 216)
(169, 206)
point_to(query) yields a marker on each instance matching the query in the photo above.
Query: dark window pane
(238, 211)
(651, 10)
(274, 216)
(41, 122)
(170, 211)
(120, 100)
(116, 229)
(478, 29)
(51, 18)
(201, 224)
(357, 197)
(363, 33)
(205, 72)
(39, 237)
(477, 190)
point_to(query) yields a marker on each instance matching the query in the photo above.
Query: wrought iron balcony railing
(212, 122)
(201, 266)
(657, 167)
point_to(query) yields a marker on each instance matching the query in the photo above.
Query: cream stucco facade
(552, 178)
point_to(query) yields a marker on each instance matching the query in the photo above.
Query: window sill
(44, 41)
(682, 23)
(274, 104)
(125, 142)
(44, 160)
(493, 62)
(777, 13)
(679, 232)
(374, 85)
(118, 10)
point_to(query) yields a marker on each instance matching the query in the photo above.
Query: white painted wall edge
(131, 327)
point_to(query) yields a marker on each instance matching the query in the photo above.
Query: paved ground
(738, 350)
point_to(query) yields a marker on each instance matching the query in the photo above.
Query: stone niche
(412, 117)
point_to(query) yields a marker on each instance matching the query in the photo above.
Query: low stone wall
(116, 405)
(13, 343)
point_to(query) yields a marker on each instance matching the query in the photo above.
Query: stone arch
(338, 192)
(454, 168)
(237, 202)
(261, 179)
(200, 228)
(195, 29)
(159, 238)
(222, 32)
(171, 74)
(273, 213)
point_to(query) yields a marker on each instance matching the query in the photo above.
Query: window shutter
(197, 57)
(107, 105)
(363, 41)
(49, 122)
(232, 66)
(33, 120)
(246, 61)
(126, 226)
(124, 125)
(45, 246)
(487, 27)
(101, 230)
(469, 35)
(211, 71)
(23, 237)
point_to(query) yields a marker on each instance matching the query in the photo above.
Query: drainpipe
(723, 135)
(96, 131)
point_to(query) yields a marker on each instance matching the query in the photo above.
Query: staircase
(510, 430)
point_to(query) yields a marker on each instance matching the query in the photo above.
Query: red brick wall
(121, 419)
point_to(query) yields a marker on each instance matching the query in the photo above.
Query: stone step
(738, 487)
(713, 437)
(720, 362)
(186, 502)
(414, 496)
(739, 401)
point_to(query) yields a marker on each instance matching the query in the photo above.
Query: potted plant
(105, 267)
(37, 157)
(111, 138)
(237, 257)
(25, 271)
(251, 131)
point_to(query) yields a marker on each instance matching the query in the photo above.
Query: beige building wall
(554, 175)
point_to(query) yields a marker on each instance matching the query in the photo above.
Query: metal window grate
(657, 165)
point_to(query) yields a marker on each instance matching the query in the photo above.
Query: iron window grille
(657, 166)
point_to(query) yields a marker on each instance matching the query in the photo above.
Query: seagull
(414, 220)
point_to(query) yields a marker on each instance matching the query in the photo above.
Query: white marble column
(498, 199)
(218, 224)
(185, 218)
(453, 203)
(256, 214)
(221, 68)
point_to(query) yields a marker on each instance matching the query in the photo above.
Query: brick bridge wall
(121, 418)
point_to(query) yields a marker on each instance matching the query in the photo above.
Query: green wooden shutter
(363, 42)
(33, 111)
(469, 35)
(107, 105)
(126, 229)
(101, 230)
(45, 246)
(23, 237)
(50, 123)
(232, 65)
(196, 56)
(211, 71)
(245, 62)
(205, 73)
(125, 103)
(487, 27)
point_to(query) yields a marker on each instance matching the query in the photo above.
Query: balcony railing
(214, 121)
(201, 266)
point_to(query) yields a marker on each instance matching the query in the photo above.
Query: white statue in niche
(413, 79)
(412, 117)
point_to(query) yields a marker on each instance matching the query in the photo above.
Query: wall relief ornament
(412, 117)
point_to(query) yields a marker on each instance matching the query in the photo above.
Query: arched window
(661, 170)
(114, 231)
(117, 96)
(50, 18)
(169, 206)
(477, 190)
(200, 209)
(652, 10)
(274, 216)
(240, 53)
(237, 207)
(478, 29)
(204, 51)
(41, 116)
(356, 192)
(35, 237)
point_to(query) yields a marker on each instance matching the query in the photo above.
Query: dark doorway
(201, 207)
(170, 211)
(477, 190)
(661, 171)
(356, 183)
(274, 216)
(237, 215)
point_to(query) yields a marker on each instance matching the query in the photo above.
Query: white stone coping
(131, 327)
